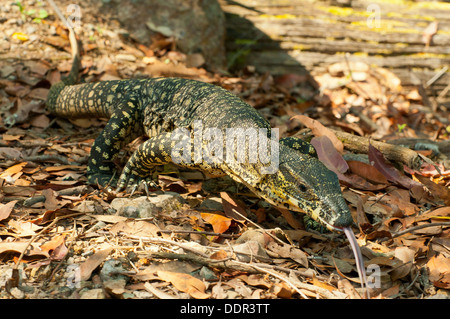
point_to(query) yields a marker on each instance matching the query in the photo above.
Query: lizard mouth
(321, 212)
(340, 224)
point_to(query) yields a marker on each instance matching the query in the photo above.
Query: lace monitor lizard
(156, 107)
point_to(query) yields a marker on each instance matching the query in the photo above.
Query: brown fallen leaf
(39, 94)
(63, 167)
(392, 291)
(283, 290)
(377, 159)
(51, 203)
(288, 251)
(256, 281)
(41, 121)
(10, 153)
(56, 247)
(435, 213)
(6, 209)
(38, 67)
(169, 183)
(367, 171)
(23, 110)
(406, 255)
(219, 255)
(93, 261)
(23, 228)
(53, 243)
(437, 191)
(388, 79)
(290, 218)
(185, 283)
(346, 286)
(9, 137)
(439, 270)
(31, 251)
(316, 282)
(13, 170)
(230, 207)
(219, 223)
(319, 130)
(336, 163)
(136, 228)
(290, 80)
(329, 155)
(18, 190)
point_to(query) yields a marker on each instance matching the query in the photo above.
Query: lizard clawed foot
(132, 182)
(104, 180)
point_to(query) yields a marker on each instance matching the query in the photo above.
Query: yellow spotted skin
(157, 107)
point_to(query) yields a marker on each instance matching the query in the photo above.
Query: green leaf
(30, 12)
(42, 14)
(17, 3)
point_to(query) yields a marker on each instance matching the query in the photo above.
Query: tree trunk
(299, 36)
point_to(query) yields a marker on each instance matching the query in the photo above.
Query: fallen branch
(196, 232)
(224, 264)
(414, 228)
(360, 144)
(78, 190)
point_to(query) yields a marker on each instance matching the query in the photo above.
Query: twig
(207, 233)
(413, 281)
(443, 92)
(411, 229)
(306, 273)
(261, 228)
(48, 158)
(78, 190)
(35, 236)
(274, 274)
(60, 263)
(156, 292)
(440, 73)
(169, 242)
(224, 264)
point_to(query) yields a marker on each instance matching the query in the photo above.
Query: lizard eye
(302, 187)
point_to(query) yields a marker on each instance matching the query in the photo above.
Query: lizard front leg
(168, 147)
(120, 130)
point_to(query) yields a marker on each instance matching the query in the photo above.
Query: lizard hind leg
(118, 132)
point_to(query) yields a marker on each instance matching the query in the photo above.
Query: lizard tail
(72, 77)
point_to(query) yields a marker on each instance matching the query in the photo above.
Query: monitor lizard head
(303, 183)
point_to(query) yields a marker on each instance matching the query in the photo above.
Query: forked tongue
(358, 258)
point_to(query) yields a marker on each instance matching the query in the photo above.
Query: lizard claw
(132, 182)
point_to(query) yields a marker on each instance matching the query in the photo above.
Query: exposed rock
(146, 207)
(198, 26)
(97, 293)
